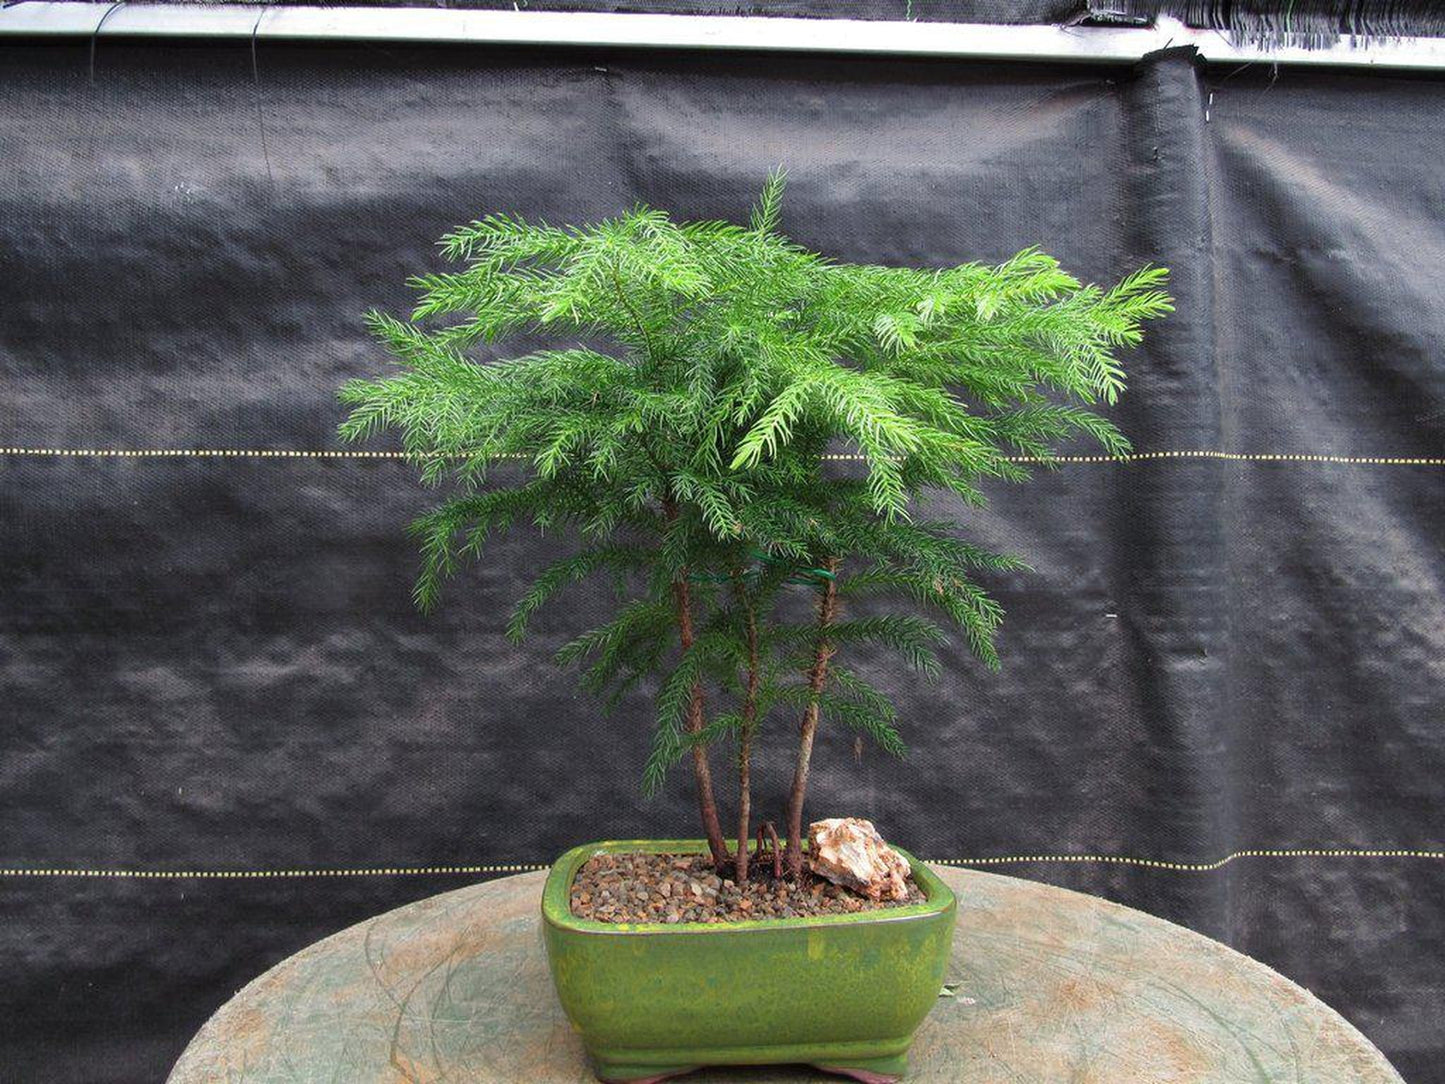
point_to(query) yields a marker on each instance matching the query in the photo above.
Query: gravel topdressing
(685, 888)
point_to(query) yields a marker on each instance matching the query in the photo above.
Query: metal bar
(976, 41)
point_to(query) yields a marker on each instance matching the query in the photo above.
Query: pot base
(619, 1073)
(882, 1070)
(873, 1071)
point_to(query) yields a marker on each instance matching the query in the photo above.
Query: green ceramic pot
(842, 992)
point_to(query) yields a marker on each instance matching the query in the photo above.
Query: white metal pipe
(974, 41)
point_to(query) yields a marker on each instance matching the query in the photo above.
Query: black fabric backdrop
(212, 663)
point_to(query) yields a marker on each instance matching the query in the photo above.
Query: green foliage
(722, 406)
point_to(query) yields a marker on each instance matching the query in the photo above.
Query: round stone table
(1049, 986)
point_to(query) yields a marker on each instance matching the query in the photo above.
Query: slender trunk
(745, 807)
(745, 734)
(766, 832)
(817, 677)
(701, 770)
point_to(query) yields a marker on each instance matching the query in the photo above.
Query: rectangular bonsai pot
(842, 992)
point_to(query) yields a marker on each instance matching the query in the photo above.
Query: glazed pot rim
(557, 909)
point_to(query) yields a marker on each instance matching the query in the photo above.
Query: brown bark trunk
(766, 832)
(745, 736)
(745, 810)
(817, 677)
(701, 770)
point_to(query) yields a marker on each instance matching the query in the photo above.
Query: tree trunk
(701, 770)
(745, 736)
(817, 677)
(745, 807)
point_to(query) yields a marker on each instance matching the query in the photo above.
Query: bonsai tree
(725, 421)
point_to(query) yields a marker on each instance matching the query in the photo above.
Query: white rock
(849, 851)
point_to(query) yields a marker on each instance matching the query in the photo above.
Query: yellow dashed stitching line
(199, 453)
(1133, 457)
(1184, 867)
(435, 871)
(1243, 457)
(239, 874)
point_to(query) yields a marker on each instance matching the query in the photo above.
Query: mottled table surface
(1052, 986)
